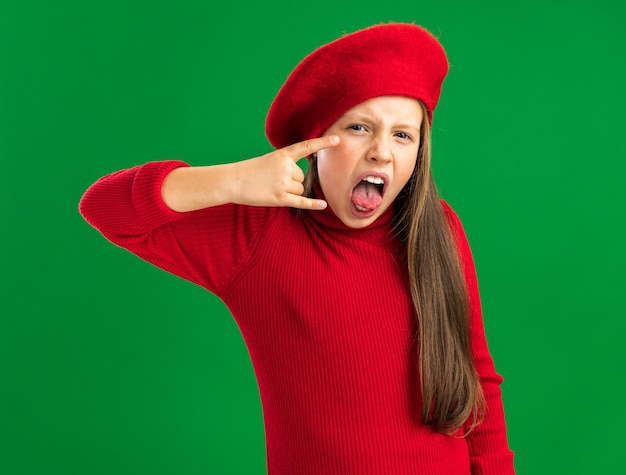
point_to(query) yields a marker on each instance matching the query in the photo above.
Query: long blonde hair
(450, 387)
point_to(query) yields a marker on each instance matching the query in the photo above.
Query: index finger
(307, 147)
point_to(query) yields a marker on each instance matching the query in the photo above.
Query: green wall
(110, 366)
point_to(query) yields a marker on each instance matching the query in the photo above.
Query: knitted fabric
(391, 59)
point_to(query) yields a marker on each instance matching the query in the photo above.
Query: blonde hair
(450, 387)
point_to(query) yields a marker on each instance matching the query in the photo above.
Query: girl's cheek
(346, 147)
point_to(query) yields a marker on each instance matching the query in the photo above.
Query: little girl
(354, 287)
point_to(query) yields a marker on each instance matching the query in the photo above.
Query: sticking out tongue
(366, 195)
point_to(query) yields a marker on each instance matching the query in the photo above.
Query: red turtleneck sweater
(327, 318)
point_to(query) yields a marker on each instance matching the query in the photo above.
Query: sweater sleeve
(488, 446)
(206, 247)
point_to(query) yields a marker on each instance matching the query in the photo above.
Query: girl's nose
(380, 150)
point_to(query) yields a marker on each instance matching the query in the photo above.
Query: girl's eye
(357, 127)
(403, 135)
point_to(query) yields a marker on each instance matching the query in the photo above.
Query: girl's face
(363, 175)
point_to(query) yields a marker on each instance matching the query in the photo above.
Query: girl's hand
(275, 179)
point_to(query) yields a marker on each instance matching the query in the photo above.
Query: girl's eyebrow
(368, 119)
(407, 126)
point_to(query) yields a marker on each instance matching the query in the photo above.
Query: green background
(111, 366)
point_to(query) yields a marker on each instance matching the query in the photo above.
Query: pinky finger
(301, 202)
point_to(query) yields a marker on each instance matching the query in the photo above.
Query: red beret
(388, 59)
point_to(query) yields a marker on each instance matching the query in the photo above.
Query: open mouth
(367, 195)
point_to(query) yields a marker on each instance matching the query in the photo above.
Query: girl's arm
(183, 220)
(270, 180)
(488, 446)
